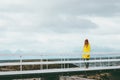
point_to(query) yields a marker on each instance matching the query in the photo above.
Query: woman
(86, 52)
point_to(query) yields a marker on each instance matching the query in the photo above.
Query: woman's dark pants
(86, 63)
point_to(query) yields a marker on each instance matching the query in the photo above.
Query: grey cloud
(32, 16)
(49, 24)
(89, 7)
(17, 9)
(27, 6)
(69, 25)
(50, 10)
(72, 7)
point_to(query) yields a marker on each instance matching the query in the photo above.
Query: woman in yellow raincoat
(86, 52)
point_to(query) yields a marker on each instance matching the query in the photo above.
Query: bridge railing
(23, 62)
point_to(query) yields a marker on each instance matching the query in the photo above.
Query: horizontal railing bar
(56, 62)
(40, 54)
(57, 70)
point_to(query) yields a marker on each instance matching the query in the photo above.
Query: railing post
(108, 62)
(64, 63)
(41, 66)
(47, 64)
(80, 63)
(61, 64)
(95, 62)
(20, 62)
(68, 64)
(100, 62)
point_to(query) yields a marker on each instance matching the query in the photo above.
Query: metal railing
(27, 62)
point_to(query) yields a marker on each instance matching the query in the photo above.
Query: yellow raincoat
(86, 52)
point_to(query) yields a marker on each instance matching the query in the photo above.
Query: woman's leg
(87, 63)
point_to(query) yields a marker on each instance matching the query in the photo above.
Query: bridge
(21, 64)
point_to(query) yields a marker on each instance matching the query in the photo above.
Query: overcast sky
(59, 26)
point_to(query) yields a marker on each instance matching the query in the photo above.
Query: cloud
(52, 26)
(106, 26)
(32, 23)
(89, 7)
(68, 25)
(55, 7)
